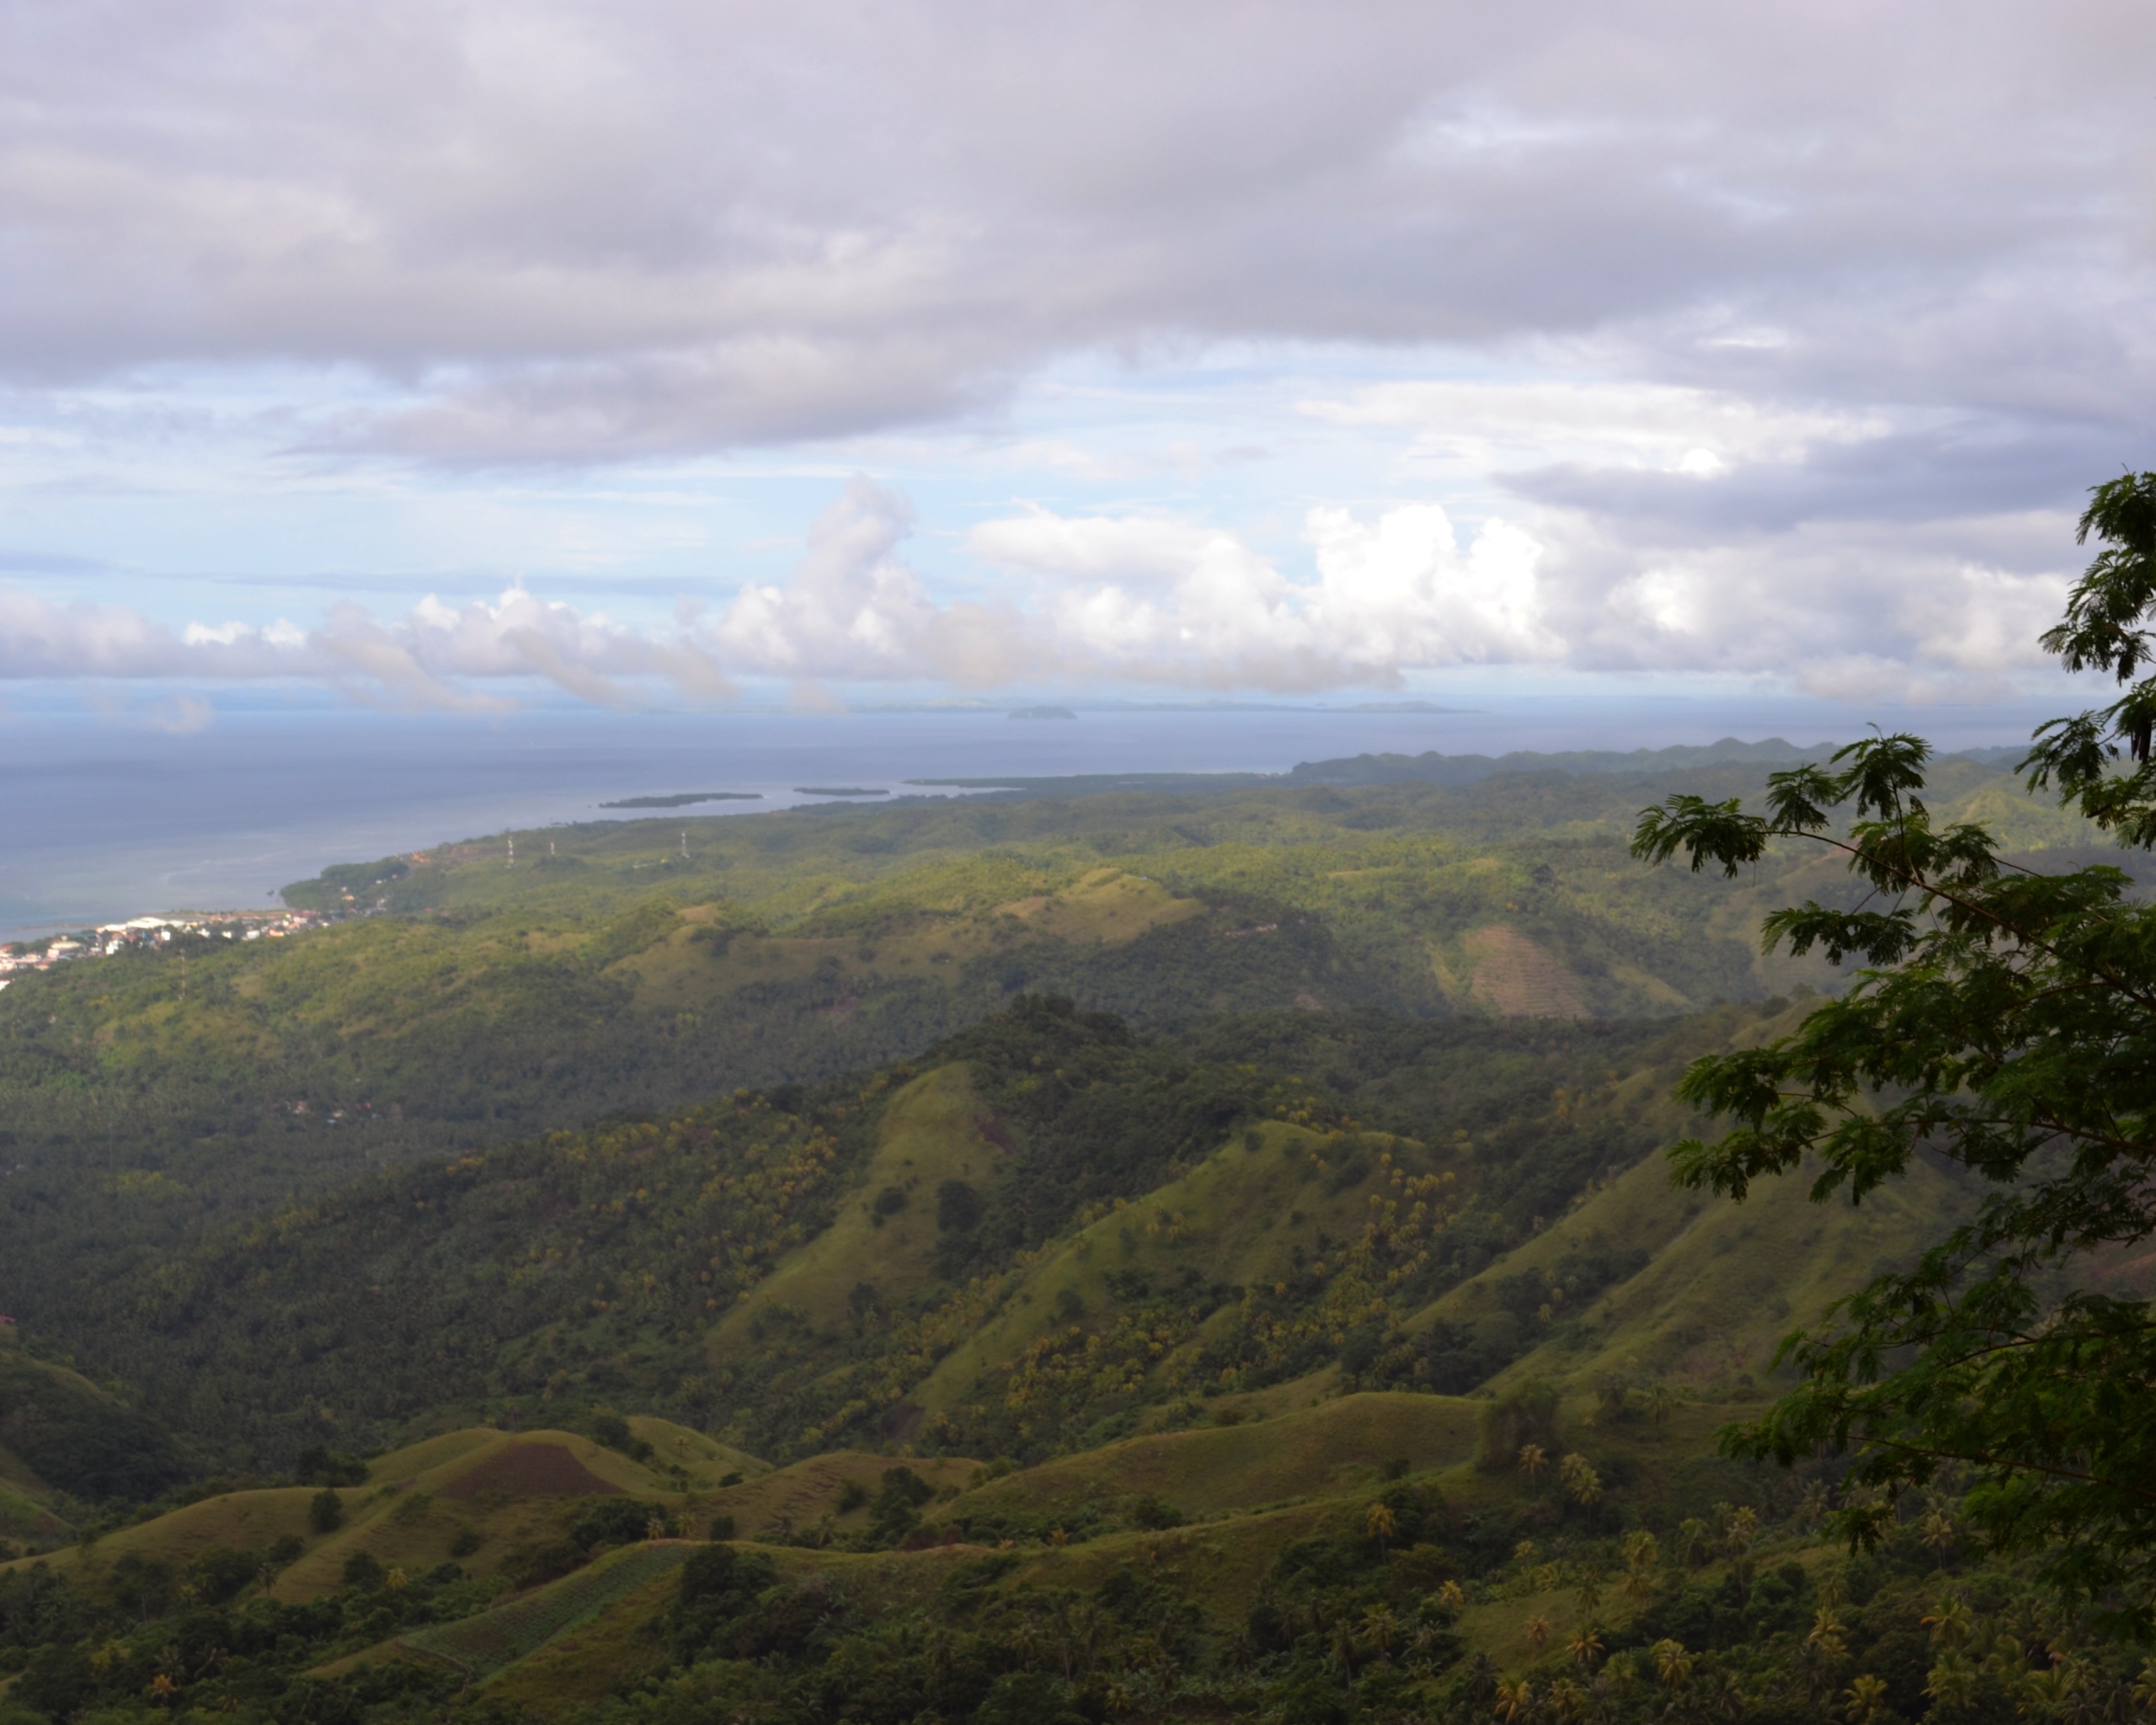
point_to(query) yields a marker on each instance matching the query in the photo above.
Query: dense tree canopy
(2004, 1021)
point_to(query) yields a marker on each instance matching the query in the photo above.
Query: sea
(101, 819)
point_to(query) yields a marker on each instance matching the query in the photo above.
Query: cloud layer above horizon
(1219, 346)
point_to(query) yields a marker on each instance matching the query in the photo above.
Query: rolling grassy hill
(1189, 1544)
(1055, 1230)
(477, 1003)
(1179, 1536)
(1049, 1364)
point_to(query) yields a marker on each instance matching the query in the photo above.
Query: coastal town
(151, 934)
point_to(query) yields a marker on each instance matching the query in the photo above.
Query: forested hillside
(1305, 1366)
(1144, 1255)
(796, 1267)
(144, 1095)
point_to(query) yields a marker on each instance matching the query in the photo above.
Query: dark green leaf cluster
(2003, 1025)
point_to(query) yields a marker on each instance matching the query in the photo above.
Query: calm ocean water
(98, 821)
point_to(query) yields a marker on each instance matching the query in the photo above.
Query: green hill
(771, 1283)
(1174, 1574)
(805, 1268)
(1036, 1445)
(475, 1004)
(61, 1433)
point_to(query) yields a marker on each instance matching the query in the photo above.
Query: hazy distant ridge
(1435, 769)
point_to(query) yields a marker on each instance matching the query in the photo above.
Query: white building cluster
(151, 934)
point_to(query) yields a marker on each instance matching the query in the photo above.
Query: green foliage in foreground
(143, 1640)
(1374, 1617)
(2007, 1022)
(1595, 1594)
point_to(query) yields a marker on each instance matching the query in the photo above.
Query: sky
(452, 356)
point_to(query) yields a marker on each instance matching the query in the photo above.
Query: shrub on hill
(325, 1511)
(719, 1588)
(318, 1466)
(617, 1521)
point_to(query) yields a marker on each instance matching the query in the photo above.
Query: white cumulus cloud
(1367, 598)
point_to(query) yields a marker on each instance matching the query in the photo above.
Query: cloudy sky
(435, 354)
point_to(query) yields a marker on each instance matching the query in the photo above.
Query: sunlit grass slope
(1724, 1283)
(1340, 1446)
(930, 1132)
(1246, 1216)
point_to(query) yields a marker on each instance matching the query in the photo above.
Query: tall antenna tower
(684, 844)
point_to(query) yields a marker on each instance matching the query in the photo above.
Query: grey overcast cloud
(658, 353)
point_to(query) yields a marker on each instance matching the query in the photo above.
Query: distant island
(686, 797)
(1042, 713)
(837, 790)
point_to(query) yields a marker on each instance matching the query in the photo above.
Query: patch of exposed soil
(533, 1470)
(1519, 979)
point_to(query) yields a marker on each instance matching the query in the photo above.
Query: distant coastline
(683, 798)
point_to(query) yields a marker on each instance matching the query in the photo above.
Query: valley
(1164, 1254)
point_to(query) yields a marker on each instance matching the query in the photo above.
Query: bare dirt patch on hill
(1514, 976)
(533, 1470)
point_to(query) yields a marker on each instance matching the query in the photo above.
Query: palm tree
(1741, 1529)
(1382, 1524)
(1728, 1699)
(1479, 1675)
(1827, 1634)
(1867, 1701)
(1585, 1648)
(1672, 1665)
(1581, 1481)
(1937, 1531)
(1538, 1634)
(1344, 1648)
(1380, 1629)
(1533, 1459)
(1952, 1681)
(1514, 1699)
(1814, 1668)
(1642, 1558)
(1949, 1621)
(1084, 1624)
